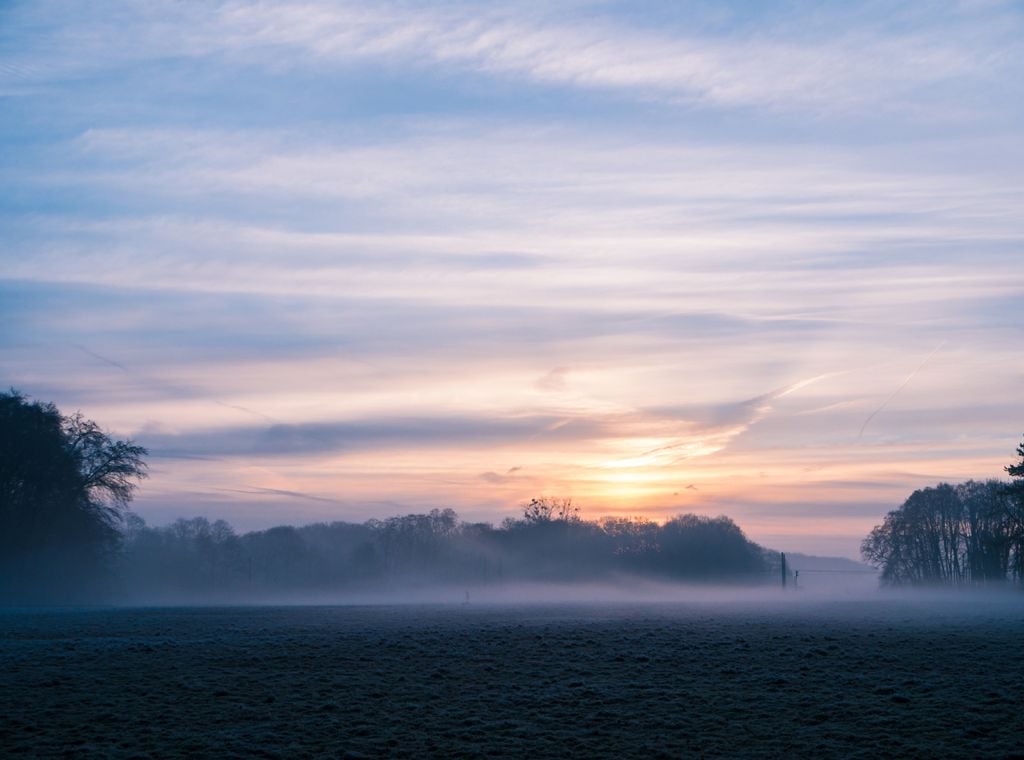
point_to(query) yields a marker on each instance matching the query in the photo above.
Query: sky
(337, 261)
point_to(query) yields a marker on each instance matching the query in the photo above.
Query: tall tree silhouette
(963, 534)
(1016, 494)
(63, 486)
(1016, 471)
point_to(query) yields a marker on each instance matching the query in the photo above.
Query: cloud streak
(728, 422)
(332, 258)
(854, 60)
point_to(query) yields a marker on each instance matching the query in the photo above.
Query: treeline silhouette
(966, 534)
(66, 533)
(64, 485)
(199, 557)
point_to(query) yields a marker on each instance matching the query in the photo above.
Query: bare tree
(546, 509)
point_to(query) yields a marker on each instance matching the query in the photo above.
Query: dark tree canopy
(191, 558)
(1016, 473)
(971, 533)
(1017, 470)
(63, 486)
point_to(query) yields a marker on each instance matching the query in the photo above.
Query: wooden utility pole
(782, 557)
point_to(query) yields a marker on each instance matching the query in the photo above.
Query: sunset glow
(334, 261)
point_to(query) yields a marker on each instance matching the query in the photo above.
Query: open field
(879, 677)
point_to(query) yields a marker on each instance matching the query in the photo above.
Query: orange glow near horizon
(788, 293)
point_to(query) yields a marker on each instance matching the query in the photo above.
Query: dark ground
(829, 679)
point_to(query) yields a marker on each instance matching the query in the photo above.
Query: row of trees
(950, 534)
(64, 529)
(197, 556)
(971, 533)
(65, 486)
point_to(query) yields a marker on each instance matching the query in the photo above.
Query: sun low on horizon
(342, 261)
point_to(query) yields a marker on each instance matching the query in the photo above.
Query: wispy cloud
(715, 432)
(450, 208)
(798, 59)
(256, 491)
(361, 435)
(328, 259)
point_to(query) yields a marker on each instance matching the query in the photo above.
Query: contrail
(247, 410)
(901, 387)
(170, 387)
(104, 359)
